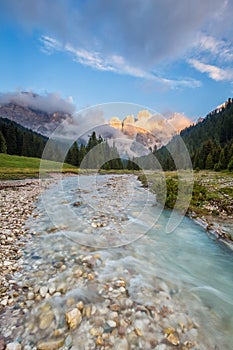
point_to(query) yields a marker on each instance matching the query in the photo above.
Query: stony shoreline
(213, 211)
(215, 229)
(17, 204)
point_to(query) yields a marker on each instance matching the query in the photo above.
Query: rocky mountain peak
(37, 120)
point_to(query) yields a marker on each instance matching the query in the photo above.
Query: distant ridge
(34, 119)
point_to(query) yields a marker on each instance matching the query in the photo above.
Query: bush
(199, 194)
(143, 180)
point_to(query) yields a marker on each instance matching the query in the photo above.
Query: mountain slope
(209, 142)
(20, 140)
(35, 119)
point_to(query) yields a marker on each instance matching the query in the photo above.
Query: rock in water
(46, 319)
(173, 339)
(50, 345)
(111, 323)
(2, 343)
(122, 344)
(13, 346)
(73, 318)
(77, 204)
(43, 291)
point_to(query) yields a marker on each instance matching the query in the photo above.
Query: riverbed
(100, 271)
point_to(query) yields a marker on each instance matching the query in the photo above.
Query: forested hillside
(209, 142)
(17, 140)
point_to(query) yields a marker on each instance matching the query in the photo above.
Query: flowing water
(184, 278)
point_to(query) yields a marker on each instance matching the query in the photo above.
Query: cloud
(214, 48)
(49, 45)
(49, 102)
(113, 63)
(156, 128)
(212, 56)
(214, 72)
(124, 36)
(179, 121)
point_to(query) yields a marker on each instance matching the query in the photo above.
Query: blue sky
(169, 58)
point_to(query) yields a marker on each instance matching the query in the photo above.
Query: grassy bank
(15, 167)
(212, 192)
(119, 171)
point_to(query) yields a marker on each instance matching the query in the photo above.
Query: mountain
(148, 129)
(19, 141)
(209, 142)
(44, 113)
(37, 120)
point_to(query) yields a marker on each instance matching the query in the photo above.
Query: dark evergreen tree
(75, 159)
(209, 162)
(3, 145)
(20, 140)
(209, 142)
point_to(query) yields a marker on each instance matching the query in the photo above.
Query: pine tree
(209, 162)
(3, 146)
(82, 153)
(230, 165)
(222, 164)
(75, 159)
(92, 142)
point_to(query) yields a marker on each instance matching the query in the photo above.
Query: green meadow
(18, 167)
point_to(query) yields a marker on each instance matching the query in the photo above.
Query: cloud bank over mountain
(150, 129)
(49, 102)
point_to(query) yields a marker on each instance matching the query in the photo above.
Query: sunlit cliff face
(156, 128)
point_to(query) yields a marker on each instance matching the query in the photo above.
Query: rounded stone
(73, 318)
(13, 346)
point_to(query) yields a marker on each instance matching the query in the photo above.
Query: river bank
(17, 204)
(70, 296)
(211, 202)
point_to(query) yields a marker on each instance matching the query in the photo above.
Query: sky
(170, 56)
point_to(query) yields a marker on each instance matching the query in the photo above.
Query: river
(99, 245)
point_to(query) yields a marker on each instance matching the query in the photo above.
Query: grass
(119, 171)
(16, 167)
(212, 192)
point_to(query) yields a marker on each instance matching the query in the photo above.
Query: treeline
(210, 143)
(17, 140)
(98, 154)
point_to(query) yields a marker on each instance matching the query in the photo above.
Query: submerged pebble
(73, 296)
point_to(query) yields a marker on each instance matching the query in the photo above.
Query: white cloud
(214, 72)
(113, 63)
(222, 49)
(208, 43)
(212, 56)
(49, 45)
(49, 102)
(143, 32)
(133, 36)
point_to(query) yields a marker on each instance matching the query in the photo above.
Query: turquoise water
(134, 243)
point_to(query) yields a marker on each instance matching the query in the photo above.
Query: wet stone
(43, 291)
(46, 319)
(51, 344)
(13, 346)
(73, 318)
